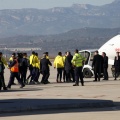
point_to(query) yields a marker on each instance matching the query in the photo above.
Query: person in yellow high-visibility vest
(77, 61)
(59, 64)
(33, 61)
(37, 74)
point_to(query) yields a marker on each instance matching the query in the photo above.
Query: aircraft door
(86, 54)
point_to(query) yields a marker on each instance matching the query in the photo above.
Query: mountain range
(84, 38)
(14, 22)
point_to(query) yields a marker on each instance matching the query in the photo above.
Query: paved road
(103, 90)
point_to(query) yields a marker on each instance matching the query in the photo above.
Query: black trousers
(45, 77)
(105, 73)
(30, 75)
(33, 74)
(68, 78)
(37, 74)
(59, 73)
(12, 76)
(2, 81)
(64, 75)
(117, 71)
(97, 73)
(23, 75)
(20, 72)
(78, 74)
(72, 74)
(69, 75)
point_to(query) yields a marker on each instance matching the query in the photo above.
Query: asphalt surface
(60, 96)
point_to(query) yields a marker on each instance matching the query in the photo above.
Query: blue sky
(44, 4)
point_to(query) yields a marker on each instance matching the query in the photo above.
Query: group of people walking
(19, 65)
(69, 68)
(68, 65)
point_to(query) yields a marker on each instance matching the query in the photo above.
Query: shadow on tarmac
(42, 106)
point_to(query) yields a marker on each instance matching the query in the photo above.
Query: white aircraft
(110, 48)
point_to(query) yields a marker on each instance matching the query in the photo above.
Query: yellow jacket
(4, 61)
(59, 62)
(38, 63)
(47, 57)
(11, 59)
(33, 60)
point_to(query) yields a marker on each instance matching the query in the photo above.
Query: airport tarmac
(92, 91)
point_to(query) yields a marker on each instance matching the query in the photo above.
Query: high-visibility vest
(33, 60)
(78, 60)
(15, 67)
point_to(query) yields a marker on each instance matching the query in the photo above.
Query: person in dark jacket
(97, 65)
(47, 56)
(117, 65)
(19, 58)
(24, 67)
(44, 68)
(69, 67)
(105, 66)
